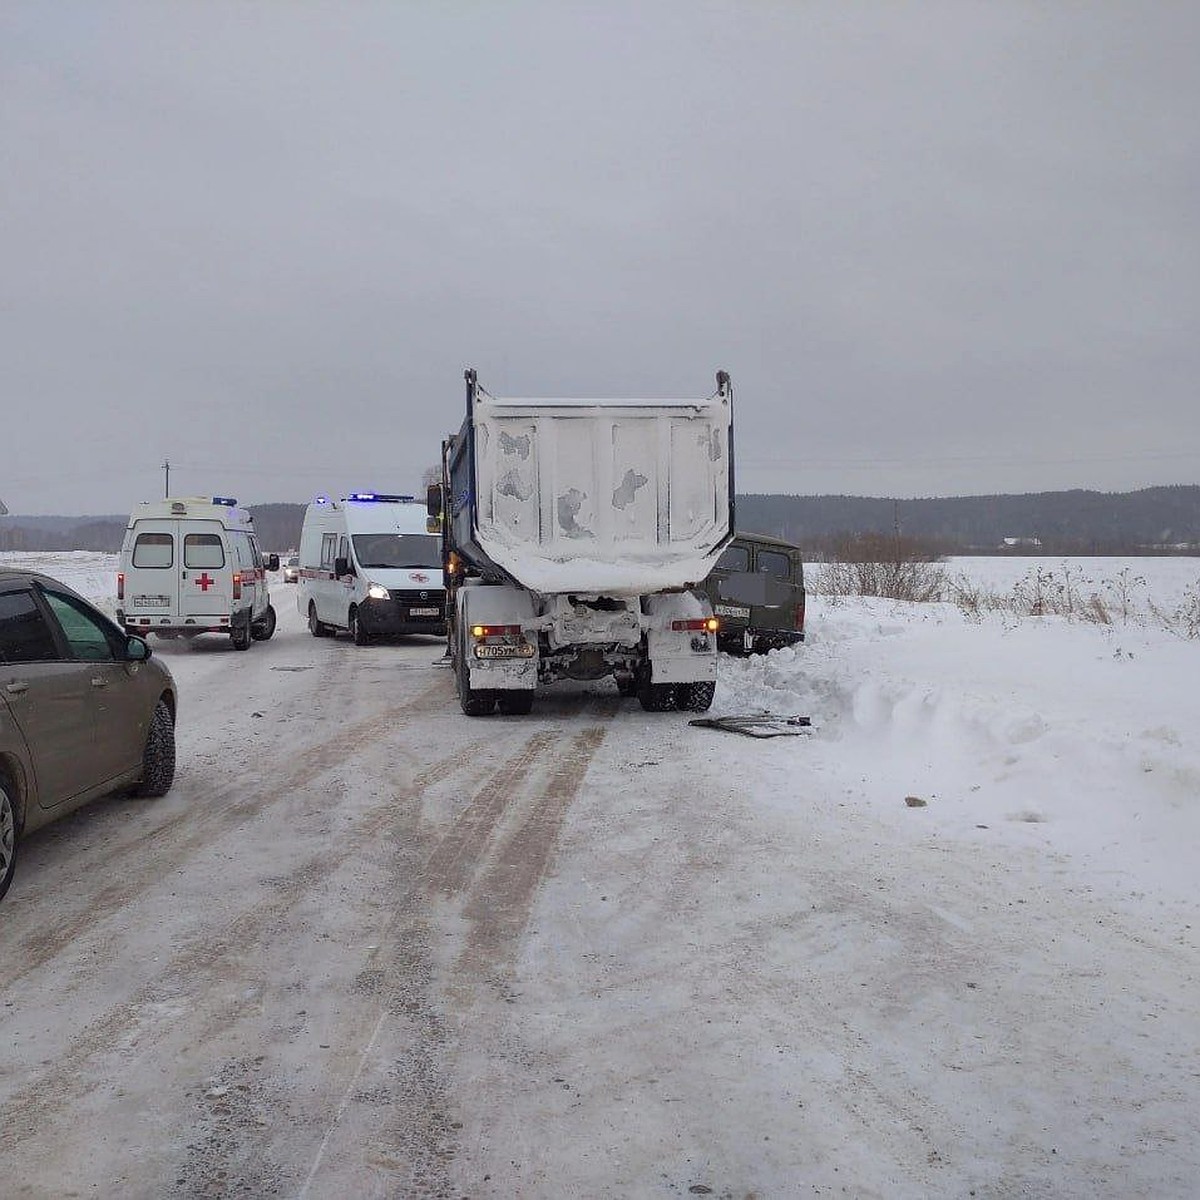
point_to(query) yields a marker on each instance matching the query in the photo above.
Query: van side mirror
(433, 500)
(272, 562)
(341, 566)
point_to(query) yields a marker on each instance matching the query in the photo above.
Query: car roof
(21, 575)
(765, 540)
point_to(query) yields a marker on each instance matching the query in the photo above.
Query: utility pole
(167, 482)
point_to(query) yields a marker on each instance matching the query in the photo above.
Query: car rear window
(771, 562)
(203, 550)
(24, 634)
(153, 550)
(734, 558)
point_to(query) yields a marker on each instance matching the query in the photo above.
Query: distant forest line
(1153, 520)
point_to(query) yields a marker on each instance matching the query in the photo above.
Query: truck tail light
(120, 585)
(697, 625)
(799, 615)
(479, 632)
(237, 585)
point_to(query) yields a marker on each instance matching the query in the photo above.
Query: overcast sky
(942, 248)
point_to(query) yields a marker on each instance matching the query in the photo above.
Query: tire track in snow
(142, 862)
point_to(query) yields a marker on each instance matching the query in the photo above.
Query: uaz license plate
(424, 612)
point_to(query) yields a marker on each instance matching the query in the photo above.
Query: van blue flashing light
(379, 498)
(320, 499)
(227, 500)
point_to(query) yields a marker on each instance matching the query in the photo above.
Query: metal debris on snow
(760, 725)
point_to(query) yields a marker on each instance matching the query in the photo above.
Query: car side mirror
(341, 566)
(136, 649)
(272, 562)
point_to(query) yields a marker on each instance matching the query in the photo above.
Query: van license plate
(424, 612)
(152, 601)
(730, 610)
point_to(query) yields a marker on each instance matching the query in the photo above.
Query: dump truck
(576, 534)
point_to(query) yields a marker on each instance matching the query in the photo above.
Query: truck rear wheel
(516, 704)
(697, 697)
(656, 697)
(475, 702)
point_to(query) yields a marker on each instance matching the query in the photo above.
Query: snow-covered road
(370, 947)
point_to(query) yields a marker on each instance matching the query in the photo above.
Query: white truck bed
(619, 497)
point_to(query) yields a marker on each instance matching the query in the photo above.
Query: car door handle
(16, 688)
(99, 681)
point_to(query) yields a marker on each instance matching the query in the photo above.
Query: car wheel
(240, 635)
(263, 631)
(315, 627)
(516, 703)
(8, 835)
(158, 758)
(358, 635)
(697, 697)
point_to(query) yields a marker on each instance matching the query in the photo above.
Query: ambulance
(193, 565)
(370, 564)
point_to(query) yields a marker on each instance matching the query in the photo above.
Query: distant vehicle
(576, 534)
(84, 710)
(769, 617)
(291, 570)
(369, 565)
(191, 566)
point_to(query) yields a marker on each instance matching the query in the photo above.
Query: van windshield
(398, 550)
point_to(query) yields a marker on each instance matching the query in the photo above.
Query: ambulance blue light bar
(232, 503)
(379, 498)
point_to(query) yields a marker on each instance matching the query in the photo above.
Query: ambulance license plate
(152, 601)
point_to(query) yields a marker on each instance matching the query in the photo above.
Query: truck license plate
(424, 612)
(522, 651)
(730, 610)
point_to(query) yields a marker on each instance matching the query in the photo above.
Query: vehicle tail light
(696, 625)
(237, 585)
(799, 615)
(486, 631)
(120, 585)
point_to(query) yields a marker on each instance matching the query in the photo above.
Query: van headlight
(376, 591)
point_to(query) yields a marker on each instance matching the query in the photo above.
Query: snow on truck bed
(613, 496)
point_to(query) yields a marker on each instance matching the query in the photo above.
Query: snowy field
(943, 944)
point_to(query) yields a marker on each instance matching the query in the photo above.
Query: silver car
(84, 710)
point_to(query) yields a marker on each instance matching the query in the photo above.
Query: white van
(370, 564)
(192, 565)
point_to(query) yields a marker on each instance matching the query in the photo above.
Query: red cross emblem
(204, 583)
